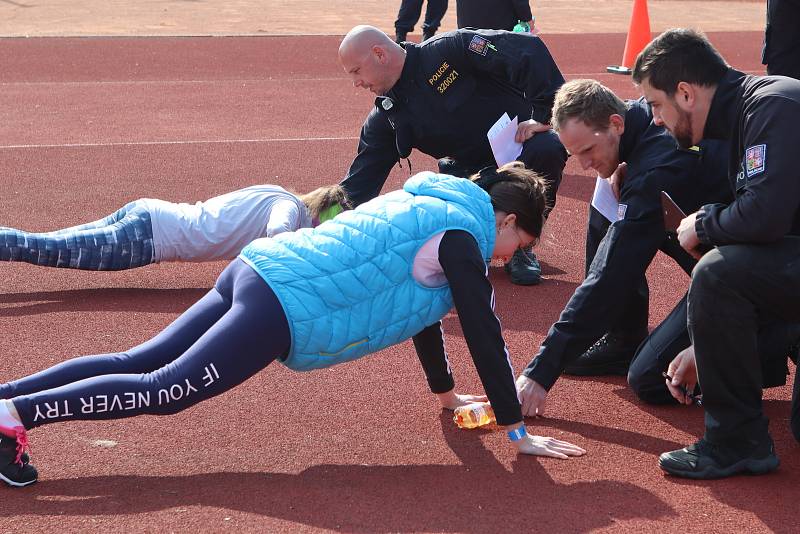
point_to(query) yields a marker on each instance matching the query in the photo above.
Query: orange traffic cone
(638, 37)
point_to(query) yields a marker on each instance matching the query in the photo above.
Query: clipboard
(673, 214)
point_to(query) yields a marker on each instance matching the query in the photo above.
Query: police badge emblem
(479, 45)
(755, 159)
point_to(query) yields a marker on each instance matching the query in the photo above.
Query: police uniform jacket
(655, 164)
(495, 15)
(451, 91)
(760, 115)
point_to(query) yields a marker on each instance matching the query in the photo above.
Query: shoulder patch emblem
(755, 160)
(479, 45)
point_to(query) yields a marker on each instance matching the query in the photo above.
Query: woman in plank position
(150, 230)
(367, 279)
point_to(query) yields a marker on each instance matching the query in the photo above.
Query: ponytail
(515, 189)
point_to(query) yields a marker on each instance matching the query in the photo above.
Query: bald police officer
(442, 96)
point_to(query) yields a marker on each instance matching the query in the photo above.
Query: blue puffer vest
(346, 286)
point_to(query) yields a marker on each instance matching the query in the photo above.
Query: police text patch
(755, 160)
(621, 210)
(479, 45)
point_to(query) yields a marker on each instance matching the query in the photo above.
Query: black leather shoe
(523, 268)
(400, 37)
(704, 460)
(610, 355)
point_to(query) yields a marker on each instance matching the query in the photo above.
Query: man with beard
(751, 274)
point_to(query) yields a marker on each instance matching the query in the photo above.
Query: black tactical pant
(634, 298)
(734, 289)
(410, 11)
(660, 347)
(781, 52)
(774, 342)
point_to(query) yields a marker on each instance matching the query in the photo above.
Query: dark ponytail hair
(515, 189)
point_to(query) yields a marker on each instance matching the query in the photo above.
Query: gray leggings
(123, 240)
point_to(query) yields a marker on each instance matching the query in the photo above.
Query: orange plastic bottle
(473, 415)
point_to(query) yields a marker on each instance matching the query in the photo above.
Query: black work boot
(14, 467)
(705, 460)
(610, 355)
(399, 37)
(523, 268)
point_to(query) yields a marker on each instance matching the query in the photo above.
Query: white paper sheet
(604, 200)
(501, 139)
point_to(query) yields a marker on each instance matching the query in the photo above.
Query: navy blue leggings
(233, 332)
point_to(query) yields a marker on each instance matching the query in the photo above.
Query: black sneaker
(610, 355)
(523, 268)
(400, 37)
(704, 460)
(14, 467)
(427, 35)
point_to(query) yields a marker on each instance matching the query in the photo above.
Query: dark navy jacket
(655, 164)
(452, 89)
(760, 116)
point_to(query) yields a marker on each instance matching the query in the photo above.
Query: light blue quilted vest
(346, 286)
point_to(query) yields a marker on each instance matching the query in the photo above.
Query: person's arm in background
(623, 256)
(594, 308)
(284, 216)
(377, 154)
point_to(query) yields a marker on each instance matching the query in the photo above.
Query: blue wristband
(517, 434)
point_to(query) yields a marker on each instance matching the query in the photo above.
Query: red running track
(89, 124)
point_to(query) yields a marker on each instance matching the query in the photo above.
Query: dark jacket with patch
(492, 14)
(760, 115)
(452, 89)
(655, 164)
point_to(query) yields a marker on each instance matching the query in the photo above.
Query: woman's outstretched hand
(544, 446)
(452, 400)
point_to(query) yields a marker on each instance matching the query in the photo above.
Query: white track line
(175, 82)
(203, 142)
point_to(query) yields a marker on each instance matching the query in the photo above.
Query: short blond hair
(588, 101)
